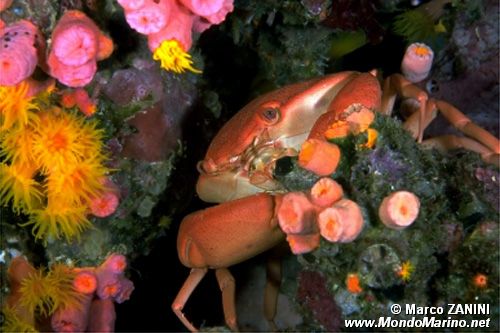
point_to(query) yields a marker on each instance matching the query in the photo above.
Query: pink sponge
(77, 44)
(19, 47)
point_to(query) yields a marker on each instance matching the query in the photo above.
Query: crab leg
(464, 124)
(412, 123)
(273, 282)
(192, 281)
(448, 142)
(397, 84)
(227, 287)
(488, 146)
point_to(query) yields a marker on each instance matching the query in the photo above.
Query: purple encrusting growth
(312, 292)
(387, 162)
(491, 184)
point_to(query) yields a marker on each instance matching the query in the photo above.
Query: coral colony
(104, 106)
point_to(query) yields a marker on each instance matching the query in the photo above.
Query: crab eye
(270, 115)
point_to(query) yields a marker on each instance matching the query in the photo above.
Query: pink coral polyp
(219, 16)
(75, 46)
(16, 64)
(131, 4)
(178, 27)
(73, 76)
(203, 7)
(18, 56)
(147, 20)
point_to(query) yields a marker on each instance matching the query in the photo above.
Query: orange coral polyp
(300, 244)
(342, 222)
(399, 209)
(325, 192)
(372, 138)
(480, 280)
(319, 157)
(338, 129)
(353, 284)
(85, 282)
(116, 263)
(296, 214)
(360, 120)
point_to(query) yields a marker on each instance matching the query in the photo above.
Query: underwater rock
(347, 301)
(133, 85)
(377, 265)
(474, 53)
(159, 126)
(156, 135)
(354, 15)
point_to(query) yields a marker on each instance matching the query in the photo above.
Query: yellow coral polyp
(18, 187)
(16, 106)
(45, 292)
(16, 145)
(59, 219)
(60, 282)
(371, 140)
(172, 57)
(63, 140)
(52, 163)
(77, 184)
(35, 293)
(405, 271)
(13, 323)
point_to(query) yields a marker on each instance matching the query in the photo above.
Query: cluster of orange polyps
(73, 299)
(322, 157)
(304, 217)
(324, 211)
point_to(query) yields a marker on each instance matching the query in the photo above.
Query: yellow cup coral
(16, 105)
(53, 164)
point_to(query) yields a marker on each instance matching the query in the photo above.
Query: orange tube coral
(72, 318)
(342, 222)
(19, 269)
(296, 214)
(300, 244)
(115, 263)
(102, 316)
(325, 192)
(85, 282)
(320, 157)
(399, 209)
(352, 283)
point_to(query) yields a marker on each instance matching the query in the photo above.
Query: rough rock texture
(475, 91)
